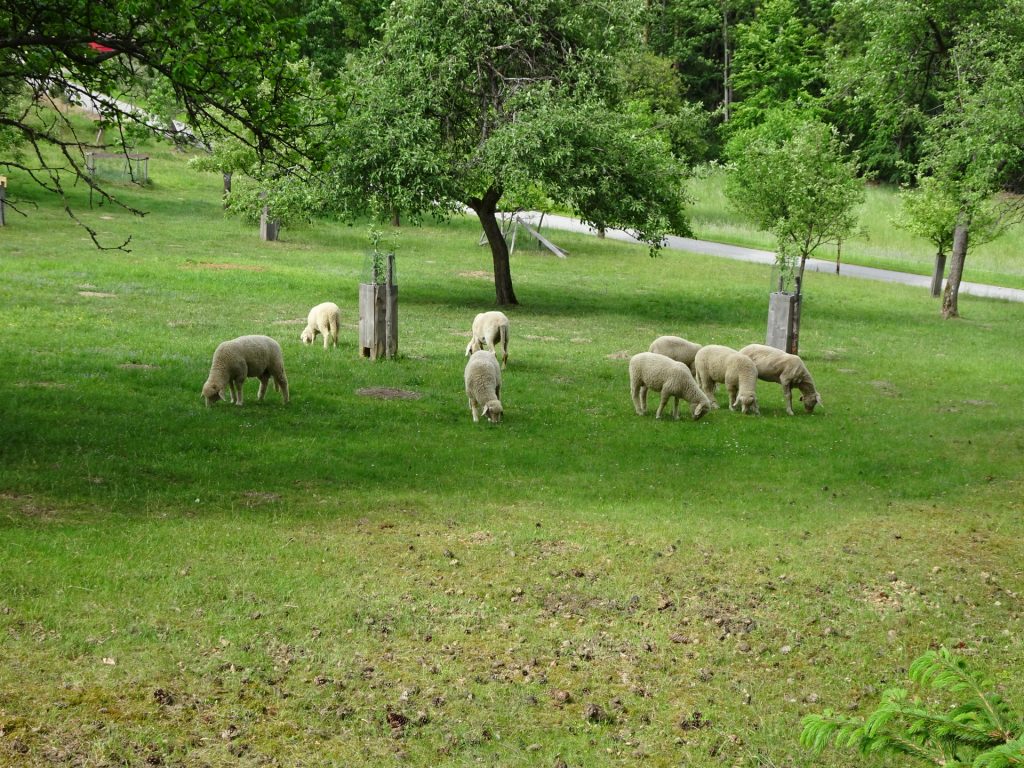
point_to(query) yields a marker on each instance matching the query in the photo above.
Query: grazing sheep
(488, 329)
(483, 385)
(680, 350)
(786, 369)
(650, 370)
(254, 357)
(716, 363)
(324, 319)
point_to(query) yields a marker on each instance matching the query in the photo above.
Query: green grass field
(354, 581)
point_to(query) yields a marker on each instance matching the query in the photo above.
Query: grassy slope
(877, 244)
(272, 582)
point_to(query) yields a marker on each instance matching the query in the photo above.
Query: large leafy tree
(459, 104)
(779, 58)
(224, 63)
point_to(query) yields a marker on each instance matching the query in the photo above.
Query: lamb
(488, 329)
(716, 363)
(786, 369)
(650, 370)
(680, 350)
(255, 357)
(483, 385)
(323, 319)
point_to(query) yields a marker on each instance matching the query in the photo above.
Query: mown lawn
(349, 580)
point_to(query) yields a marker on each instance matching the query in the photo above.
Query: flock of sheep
(673, 366)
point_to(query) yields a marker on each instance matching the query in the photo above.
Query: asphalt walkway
(756, 256)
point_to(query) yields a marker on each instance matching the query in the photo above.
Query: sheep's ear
(485, 410)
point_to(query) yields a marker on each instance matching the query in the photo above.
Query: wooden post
(390, 310)
(3, 199)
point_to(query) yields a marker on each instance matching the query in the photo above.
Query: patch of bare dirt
(476, 275)
(98, 294)
(389, 393)
(43, 384)
(622, 354)
(139, 366)
(886, 388)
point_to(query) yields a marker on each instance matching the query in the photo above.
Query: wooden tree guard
(783, 321)
(268, 227)
(378, 315)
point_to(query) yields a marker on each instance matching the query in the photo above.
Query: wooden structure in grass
(512, 225)
(378, 309)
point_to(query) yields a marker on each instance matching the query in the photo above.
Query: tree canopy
(459, 104)
(226, 64)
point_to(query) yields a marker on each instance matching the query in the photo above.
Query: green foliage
(790, 176)
(980, 730)
(778, 60)
(930, 210)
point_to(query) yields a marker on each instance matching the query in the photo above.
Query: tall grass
(357, 581)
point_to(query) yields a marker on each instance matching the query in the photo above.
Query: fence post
(3, 198)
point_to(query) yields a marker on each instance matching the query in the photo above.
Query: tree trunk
(486, 209)
(940, 269)
(396, 218)
(726, 62)
(956, 270)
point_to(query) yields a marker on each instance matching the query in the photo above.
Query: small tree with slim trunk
(790, 176)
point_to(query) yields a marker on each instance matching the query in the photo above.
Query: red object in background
(101, 48)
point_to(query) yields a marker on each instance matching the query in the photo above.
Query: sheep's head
(810, 400)
(212, 393)
(699, 409)
(308, 335)
(748, 404)
(493, 411)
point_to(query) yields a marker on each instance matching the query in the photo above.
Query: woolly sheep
(716, 363)
(323, 319)
(254, 357)
(679, 349)
(483, 385)
(786, 369)
(488, 329)
(652, 371)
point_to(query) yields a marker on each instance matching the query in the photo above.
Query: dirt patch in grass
(886, 388)
(389, 393)
(98, 294)
(476, 275)
(622, 354)
(139, 366)
(226, 265)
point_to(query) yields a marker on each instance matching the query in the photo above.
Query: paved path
(768, 257)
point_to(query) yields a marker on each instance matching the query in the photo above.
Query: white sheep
(719, 364)
(679, 349)
(254, 357)
(324, 319)
(483, 385)
(652, 371)
(488, 329)
(786, 369)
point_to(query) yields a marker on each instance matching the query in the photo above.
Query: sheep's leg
(675, 410)
(472, 407)
(282, 385)
(327, 338)
(639, 394)
(661, 406)
(787, 392)
(734, 396)
(236, 390)
(264, 383)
